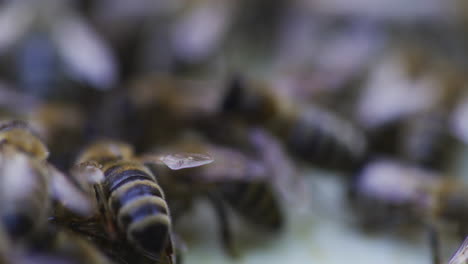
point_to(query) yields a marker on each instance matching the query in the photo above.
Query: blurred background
(363, 103)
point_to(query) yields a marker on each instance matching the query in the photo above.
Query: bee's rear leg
(224, 224)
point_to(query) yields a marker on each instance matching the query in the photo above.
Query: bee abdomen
(140, 208)
(150, 234)
(147, 223)
(138, 203)
(133, 190)
(117, 176)
(255, 202)
(327, 141)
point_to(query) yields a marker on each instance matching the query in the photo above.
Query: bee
(28, 182)
(417, 130)
(130, 201)
(411, 195)
(59, 124)
(248, 183)
(41, 44)
(310, 132)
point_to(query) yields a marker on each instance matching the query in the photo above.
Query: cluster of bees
(110, 136)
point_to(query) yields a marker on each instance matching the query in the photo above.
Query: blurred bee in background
(400, 195)
(427, 138)
(44, 51)
(28, 182)
(311, 133)
(154, 101)
(411, 119)
(253, 184)
(61, 125)
(130, 201)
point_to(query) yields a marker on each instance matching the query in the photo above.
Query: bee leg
(434, 244)
(224, 225)
(104, 212)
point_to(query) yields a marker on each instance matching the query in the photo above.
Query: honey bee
(310, 132)
(59, 124)
(28, 182)
(249, 183)
(131, 202)
(411, 195)
(411, 119)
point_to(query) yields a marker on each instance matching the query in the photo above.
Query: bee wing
(461, 256)
(86, 55)
(179, 161)
(281, 170)
(69, 194)
(87, 173)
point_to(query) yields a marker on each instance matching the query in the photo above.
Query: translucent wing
(281, 170)
(181, 160)
(69, 194)
(461, 256)
(88, 173)
(87, 55)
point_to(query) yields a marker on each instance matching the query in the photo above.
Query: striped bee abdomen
(122, 173)
(326, 140)
(256, 202)
(137, 202)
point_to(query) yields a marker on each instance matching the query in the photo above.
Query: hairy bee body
(132, 198)
(392, 193)
(139, 205)
(320, 137)
(235, 180)
(312, 133)
(19, 135)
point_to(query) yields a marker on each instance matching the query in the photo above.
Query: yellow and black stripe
(139, 206)
(324, 139)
